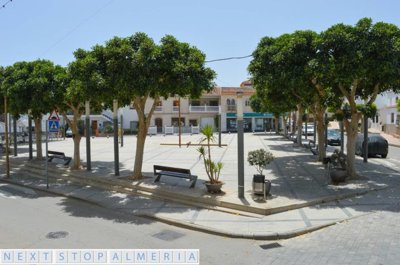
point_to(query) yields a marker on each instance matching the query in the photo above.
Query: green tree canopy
(137, 70)
(32, 86)
(361, 61)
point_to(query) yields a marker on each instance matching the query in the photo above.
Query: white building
(387, 118)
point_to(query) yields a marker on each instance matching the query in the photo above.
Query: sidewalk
(393, 141)
(302, 200)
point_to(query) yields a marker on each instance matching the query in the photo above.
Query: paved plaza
(302, 197)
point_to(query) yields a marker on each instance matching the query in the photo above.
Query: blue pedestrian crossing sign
(54, 125)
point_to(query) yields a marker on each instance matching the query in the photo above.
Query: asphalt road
(31, 219)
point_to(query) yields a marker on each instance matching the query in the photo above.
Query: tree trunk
(300, 110)
(75, 135)
(277, 124)
(319, 116)
(77, 140)
(38, 132)
(141, 139)
(352, 131)
(144, 123)
(285, 125)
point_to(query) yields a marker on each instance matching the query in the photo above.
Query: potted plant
(260, 158)
(337, 166)
(213, 169)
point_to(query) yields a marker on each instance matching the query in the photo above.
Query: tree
(137, 70)
(279, 105)
(31, 86)
(361, 61)
(81, 82)
(290, 63)
(398, 105)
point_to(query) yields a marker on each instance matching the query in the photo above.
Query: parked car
(334, 137)
(310, 129)
(68, 133)
(377, 145)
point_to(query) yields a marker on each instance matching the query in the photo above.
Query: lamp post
(179, 122)
(239, 116)
(365, 146)
(87, 121)
(115, 123)
(219, 125)
(30, 134)
(6, 131)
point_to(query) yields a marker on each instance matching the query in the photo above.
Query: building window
(376, 119)
(392, 117)
(247, 103)
(398, 120)
(192, 122)
(174, 122)
(228, 102)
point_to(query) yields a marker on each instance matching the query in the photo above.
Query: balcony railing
(158, 108)
(231, 108)
(204, 108)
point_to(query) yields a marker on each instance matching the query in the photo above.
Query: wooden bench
(59, 155)
(174, 172)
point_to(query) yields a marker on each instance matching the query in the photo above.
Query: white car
(310, 129)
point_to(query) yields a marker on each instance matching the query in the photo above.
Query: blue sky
(53, 29)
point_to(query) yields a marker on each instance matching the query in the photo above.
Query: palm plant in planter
(213, 169)
(260, 158)
(337, 166)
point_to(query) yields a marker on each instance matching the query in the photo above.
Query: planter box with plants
(213, 169)
(260, 159)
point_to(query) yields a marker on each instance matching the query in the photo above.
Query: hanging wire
(5, 4)
(229, 58)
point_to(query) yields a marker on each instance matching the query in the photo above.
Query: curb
(193, 226)
(217, 205)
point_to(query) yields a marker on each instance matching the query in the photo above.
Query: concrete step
(37, 171)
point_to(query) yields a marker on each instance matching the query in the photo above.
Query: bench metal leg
(194, 179)
(157, 178)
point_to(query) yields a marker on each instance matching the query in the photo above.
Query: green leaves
(32, 85)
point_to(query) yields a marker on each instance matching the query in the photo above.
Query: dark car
(377, 145)
(334, 137)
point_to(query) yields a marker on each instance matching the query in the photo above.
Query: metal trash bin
(261, 186)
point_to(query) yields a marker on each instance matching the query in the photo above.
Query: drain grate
(57, 235)
(168, 235)
(270, 246)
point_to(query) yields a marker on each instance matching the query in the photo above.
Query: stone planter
(337, 175)
(214, 187)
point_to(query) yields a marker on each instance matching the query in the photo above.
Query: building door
(158, 122)
(94, 128)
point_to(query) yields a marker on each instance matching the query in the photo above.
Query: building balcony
(158, 109)
(204, 109)
(231, 108)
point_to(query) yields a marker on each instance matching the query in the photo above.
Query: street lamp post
(6, 131)
(116, 151)
(87, 121)
(219, 126)
(179, 122)
(239, 115)
(365, 146)
(30, 134)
